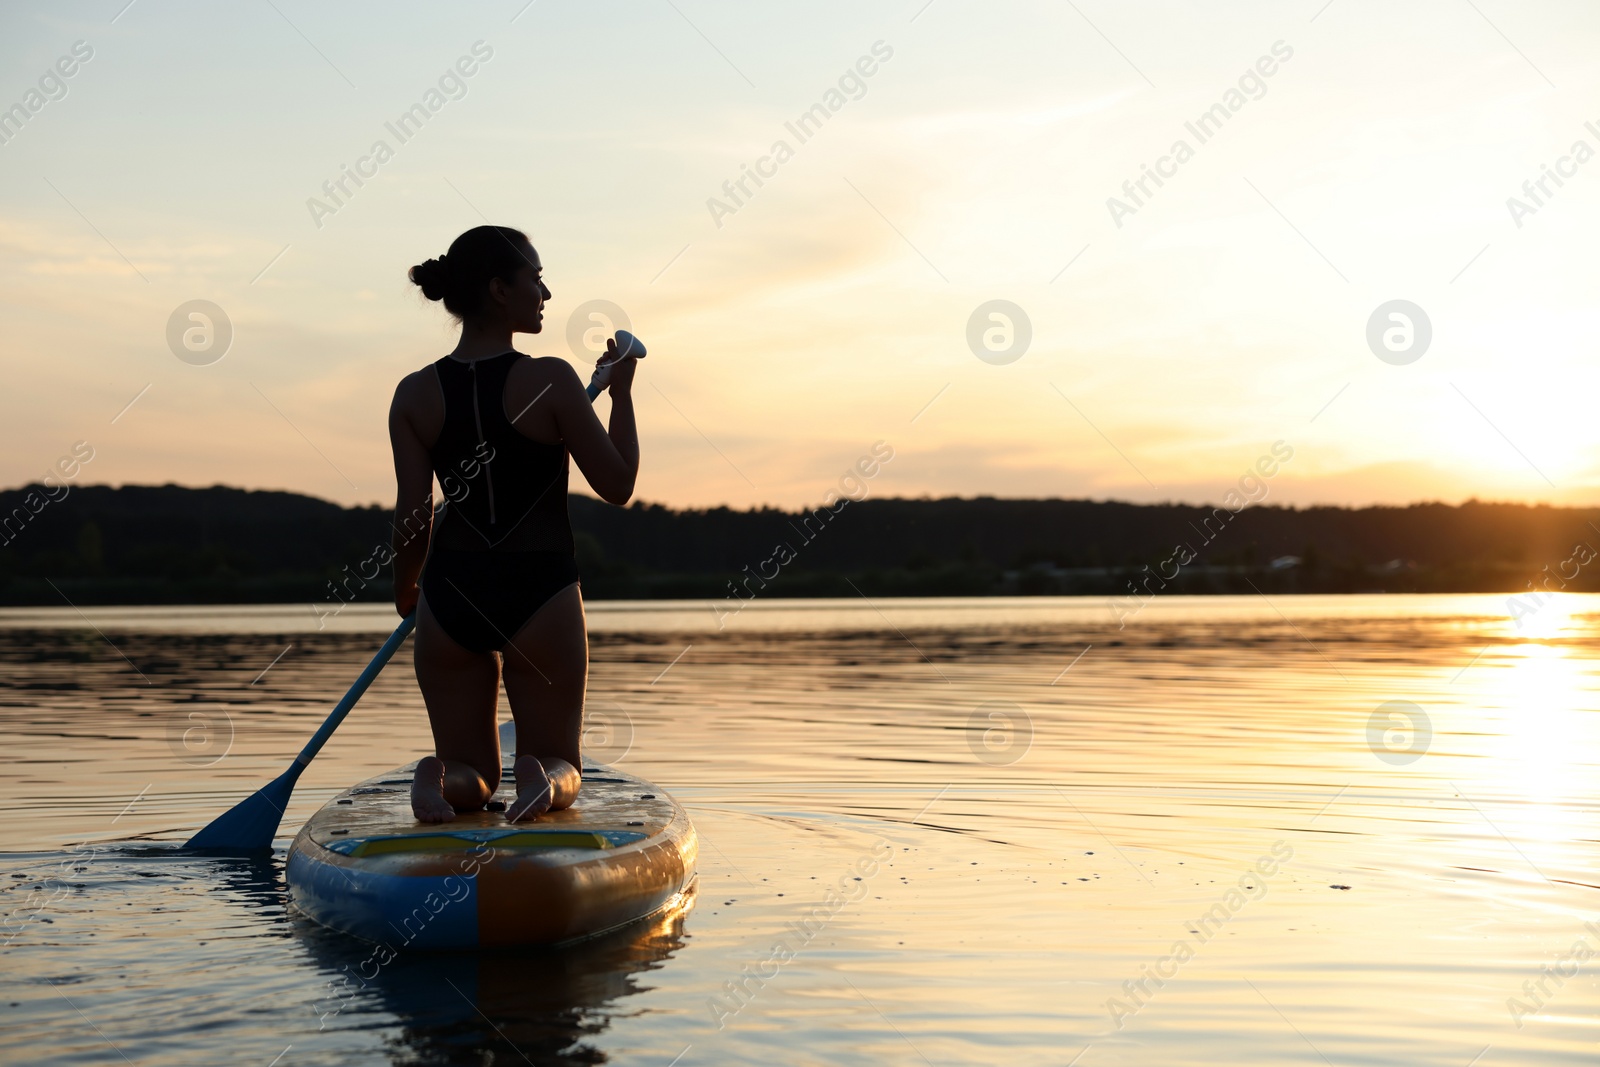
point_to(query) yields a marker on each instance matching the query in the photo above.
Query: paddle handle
(628, 347)
(385, 653)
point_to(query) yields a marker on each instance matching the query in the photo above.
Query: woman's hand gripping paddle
(627, 347)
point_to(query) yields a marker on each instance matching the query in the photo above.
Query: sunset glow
(803, 315)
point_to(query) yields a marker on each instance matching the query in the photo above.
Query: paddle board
(363, 864)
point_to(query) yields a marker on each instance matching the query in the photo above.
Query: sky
(1358, 153)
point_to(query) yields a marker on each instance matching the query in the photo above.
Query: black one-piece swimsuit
(504, 546)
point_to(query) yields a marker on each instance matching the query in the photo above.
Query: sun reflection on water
(1535, 723)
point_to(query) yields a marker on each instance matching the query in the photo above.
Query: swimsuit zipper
(477, 419)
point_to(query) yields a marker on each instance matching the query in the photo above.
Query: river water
(1315, 830)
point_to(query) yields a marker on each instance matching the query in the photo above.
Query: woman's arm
(609, 459)
(413, 509)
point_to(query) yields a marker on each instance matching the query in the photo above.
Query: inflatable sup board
(363, 864)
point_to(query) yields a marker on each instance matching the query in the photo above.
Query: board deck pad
(363, 864)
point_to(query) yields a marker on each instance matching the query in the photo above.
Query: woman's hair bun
(462, 275)
(433, 277)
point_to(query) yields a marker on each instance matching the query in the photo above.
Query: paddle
(250, 825)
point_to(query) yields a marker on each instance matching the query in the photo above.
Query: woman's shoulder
(414, 384)
(418, 396)
(545, 363)
(551, 370)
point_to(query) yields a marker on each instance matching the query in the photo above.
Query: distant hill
(170, 544)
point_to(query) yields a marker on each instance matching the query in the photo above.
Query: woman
(500, 589)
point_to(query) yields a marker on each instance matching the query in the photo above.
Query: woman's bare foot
(427, 792)
(535, 791)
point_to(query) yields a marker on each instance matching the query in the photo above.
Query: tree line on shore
(171, 544)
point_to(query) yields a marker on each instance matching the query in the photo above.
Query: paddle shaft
(342, 709)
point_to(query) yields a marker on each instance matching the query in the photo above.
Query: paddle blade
(250, 825)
